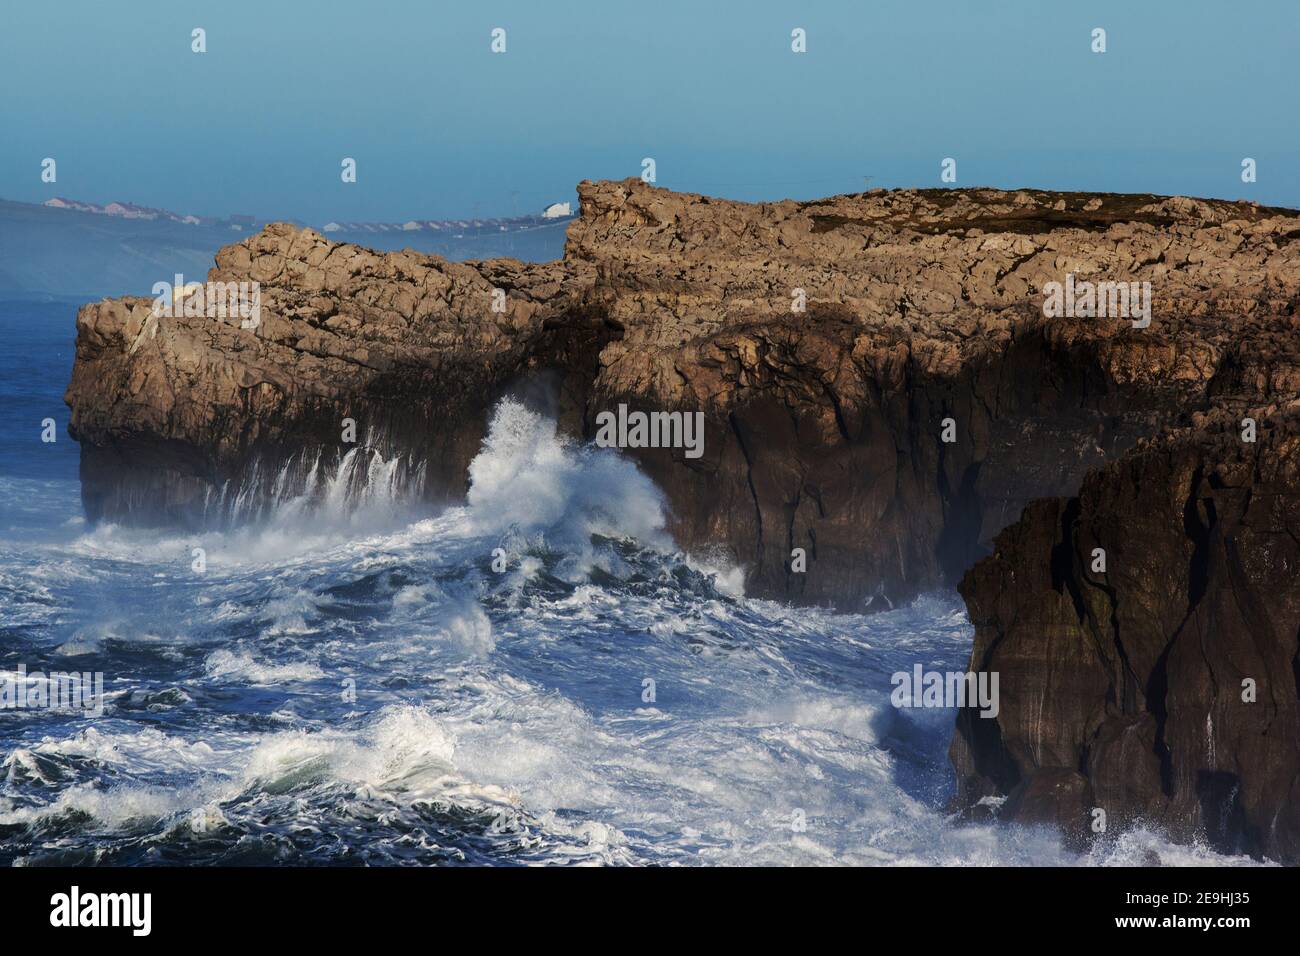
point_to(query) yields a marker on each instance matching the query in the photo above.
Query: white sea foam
(229, 665)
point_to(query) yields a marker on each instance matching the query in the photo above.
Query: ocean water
(353, 681)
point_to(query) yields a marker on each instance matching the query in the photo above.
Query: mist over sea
(353, 682)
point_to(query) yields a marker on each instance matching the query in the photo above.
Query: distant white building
(557, 210)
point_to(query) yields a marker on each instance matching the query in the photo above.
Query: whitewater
(536, 676)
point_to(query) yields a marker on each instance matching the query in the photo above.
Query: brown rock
(1119, 690)
(1166, 684)
(823, 426)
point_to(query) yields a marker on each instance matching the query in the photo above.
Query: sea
(537, 675)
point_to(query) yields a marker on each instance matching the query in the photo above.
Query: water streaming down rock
(369, 479)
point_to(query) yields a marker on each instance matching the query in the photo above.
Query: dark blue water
(35, 365)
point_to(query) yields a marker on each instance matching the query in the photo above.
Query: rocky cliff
(1147, 634)
(882, 389)
(825, 342)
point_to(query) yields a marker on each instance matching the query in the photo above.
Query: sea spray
(529, 478)
(382, 689)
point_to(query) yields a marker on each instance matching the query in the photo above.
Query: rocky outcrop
(1147, 636)
(827, 344)
(881, 388)
(170, 410)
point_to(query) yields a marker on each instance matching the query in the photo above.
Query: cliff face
(170, 409)
(832, 347)
(824, 426)
(1164, 687)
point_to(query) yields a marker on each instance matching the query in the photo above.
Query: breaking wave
(536, 676)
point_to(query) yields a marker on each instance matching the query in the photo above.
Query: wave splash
(369, 481)
(353, 681)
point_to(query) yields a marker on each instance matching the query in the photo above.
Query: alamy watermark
(624, 429)
(75, 908)
(922, 688)
(58, 690)
(1112, 300)
(215, 300)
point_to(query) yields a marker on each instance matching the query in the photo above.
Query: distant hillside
(66, 252)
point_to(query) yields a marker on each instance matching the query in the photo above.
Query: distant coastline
(68, 248)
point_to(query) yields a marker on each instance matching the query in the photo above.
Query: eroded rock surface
(824, 431)
(1162, 689)
(824, 426)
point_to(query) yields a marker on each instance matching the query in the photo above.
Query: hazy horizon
(441, 127)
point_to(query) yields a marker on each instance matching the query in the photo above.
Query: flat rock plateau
(832, 346)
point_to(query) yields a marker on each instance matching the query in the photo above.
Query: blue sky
(441, 126)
